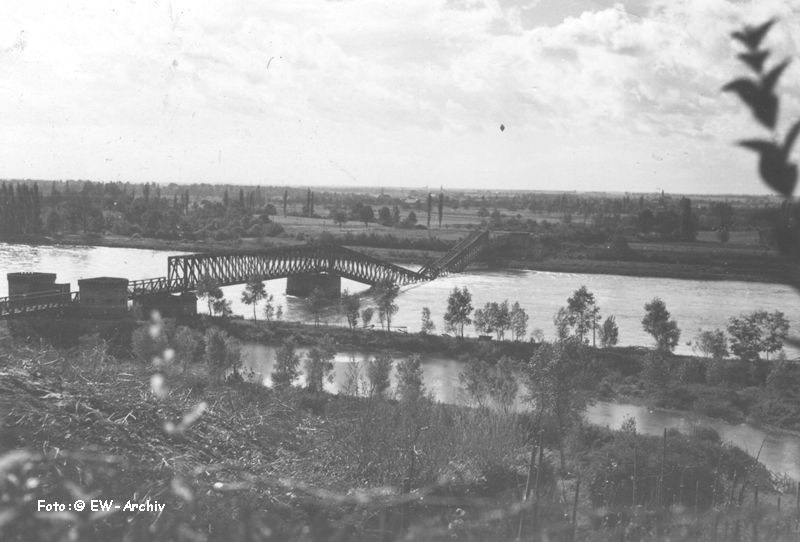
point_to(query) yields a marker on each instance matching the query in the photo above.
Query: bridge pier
(303, 285)
(168, 305)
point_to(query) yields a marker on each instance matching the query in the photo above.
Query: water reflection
(781, 451)
(439, 374)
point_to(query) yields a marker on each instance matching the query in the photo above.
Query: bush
(287, 363)
(457, 450)
(690, 469)
(678, 398)
(188, 345)
(378, 371)
(774, 409)
(708, 434)
(222, 354)
(692, 371)
(272, 229)
(656, 371)
(150, 341)
(724, 372)
(718, 407)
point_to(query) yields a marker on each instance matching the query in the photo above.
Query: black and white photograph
(411, 270)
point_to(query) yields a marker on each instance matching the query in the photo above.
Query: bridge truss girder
(184, 272)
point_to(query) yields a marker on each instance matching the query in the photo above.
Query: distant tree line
(20, 209)
(148, 210)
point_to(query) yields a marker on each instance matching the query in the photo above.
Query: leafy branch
(774, 165)
(758, 94)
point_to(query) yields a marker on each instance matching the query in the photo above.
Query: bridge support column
(303, 285)
(168, 305)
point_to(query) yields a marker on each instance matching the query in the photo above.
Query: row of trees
(222, 212)
(580, 317)
(751, 335)
(385, 294)
(361, 212)
(125, 209)
(499, 318)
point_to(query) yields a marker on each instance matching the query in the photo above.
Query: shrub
(319, 364)
(458, 451)
(286, 364)
(678, 398)
(378, 371)
(188, 345)
(222, 354)
(692, 371)
(272, 229)
(689, 471)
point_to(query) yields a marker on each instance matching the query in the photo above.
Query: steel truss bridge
(237, 267)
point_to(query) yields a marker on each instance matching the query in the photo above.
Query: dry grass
(237, 461)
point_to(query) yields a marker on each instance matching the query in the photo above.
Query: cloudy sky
(594, 94)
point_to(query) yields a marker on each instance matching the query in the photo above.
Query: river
(694, 304)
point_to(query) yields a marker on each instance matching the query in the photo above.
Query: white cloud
(395, 92)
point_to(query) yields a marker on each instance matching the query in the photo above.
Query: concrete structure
(35, 291)
(31, 283)
(168, 305)
(104, 297)
(303, 285)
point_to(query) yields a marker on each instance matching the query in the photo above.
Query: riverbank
(620, 370)
(720, 389)
(778, 274)
(688, 263)
(275, 333)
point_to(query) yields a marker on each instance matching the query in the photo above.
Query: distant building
(104, 297)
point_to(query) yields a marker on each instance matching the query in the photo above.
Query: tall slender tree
(430, 208)
(253, 293)
(459, 308)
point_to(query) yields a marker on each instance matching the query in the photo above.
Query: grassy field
(735, 237)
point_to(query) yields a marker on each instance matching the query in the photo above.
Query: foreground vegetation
(237, 461)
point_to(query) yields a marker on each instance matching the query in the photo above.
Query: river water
(694, 304)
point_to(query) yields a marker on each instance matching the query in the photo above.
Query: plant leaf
(772, 76)
(791, 135)
(754, 59)
(751, 36)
